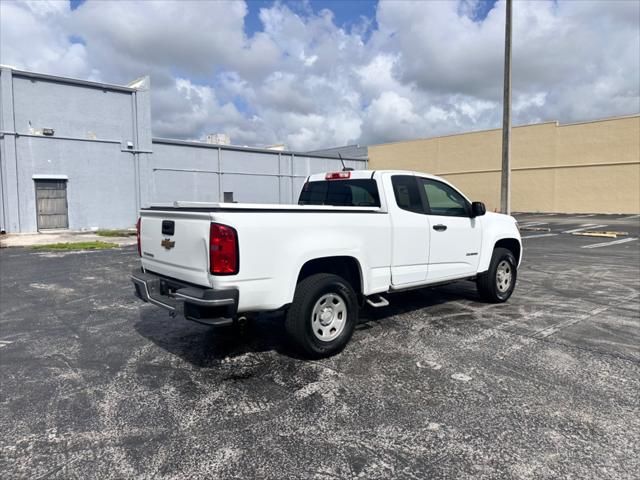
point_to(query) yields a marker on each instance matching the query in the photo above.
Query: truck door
(410, 232)
(454, 249)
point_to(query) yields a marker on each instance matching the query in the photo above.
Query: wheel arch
(510, 243)
(345, 266)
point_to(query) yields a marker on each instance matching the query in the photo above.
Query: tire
(322, 316)
(497, 284)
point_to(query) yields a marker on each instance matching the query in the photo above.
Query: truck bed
(273, 245)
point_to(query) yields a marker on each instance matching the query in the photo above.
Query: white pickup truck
(354, 237)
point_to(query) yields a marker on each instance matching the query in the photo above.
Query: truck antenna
(344, 167)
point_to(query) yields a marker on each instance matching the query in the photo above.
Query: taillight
(223, 250)
(138, 236)
(337, 175)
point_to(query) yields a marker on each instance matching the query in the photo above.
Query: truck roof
(359, 174)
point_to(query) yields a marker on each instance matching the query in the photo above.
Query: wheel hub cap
(328, 317)
(504, 275)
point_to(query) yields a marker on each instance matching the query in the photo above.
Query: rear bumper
(200, 304)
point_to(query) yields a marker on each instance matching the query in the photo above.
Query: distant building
(280, 147)
(351, 151)
(218, 139)
(587, 167)
(80, 155)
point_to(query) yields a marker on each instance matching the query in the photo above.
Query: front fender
(497, 227)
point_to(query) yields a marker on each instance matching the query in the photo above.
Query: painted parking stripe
(532, 224)
(583, 228)
(548, 331)
(606, 244)
(629, 218)
(540, 236)
(585, 216)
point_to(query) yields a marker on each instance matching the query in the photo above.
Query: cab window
(341, 193)
(444, 200)
(405, 189)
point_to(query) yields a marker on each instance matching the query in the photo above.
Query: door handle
(439, 228)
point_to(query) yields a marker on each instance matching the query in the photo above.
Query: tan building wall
(591, 167)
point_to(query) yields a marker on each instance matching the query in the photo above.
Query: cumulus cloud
(34, 36)
(420, 69)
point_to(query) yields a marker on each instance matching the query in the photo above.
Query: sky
(322, 73)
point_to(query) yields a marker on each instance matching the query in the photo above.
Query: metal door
(51, 202)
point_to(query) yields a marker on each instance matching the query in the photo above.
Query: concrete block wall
(589, 167)
(97, 134)
(102, 146)
(205, 172)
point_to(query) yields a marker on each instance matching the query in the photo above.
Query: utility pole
(505, 184)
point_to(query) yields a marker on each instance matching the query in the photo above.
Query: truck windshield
(341, 193)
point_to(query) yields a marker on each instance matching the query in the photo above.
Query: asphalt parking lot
(96, 384)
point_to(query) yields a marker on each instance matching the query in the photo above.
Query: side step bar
(377, 301)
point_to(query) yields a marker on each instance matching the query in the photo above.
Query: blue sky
(346, 12)
(483, 9)
(269, 72)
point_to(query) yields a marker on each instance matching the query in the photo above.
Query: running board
(377, 301)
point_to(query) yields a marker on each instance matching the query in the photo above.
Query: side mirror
(478, 209)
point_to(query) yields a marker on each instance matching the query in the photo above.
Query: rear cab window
(341, 193)
(407, 194)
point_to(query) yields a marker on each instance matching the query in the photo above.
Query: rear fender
(339, 258)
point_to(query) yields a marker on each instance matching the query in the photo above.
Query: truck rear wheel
(496, 284)
(323, 315)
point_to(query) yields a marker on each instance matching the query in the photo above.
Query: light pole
(505, 184)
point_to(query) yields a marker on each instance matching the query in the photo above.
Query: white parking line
(548, 331)
(532, 224)
(629, 218)
(584, 227)
(585, 216)
(540, 236)
(606, 244)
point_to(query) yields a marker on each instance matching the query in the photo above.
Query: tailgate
(176, 244)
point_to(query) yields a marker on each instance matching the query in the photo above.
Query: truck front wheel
(496, 284)
(323, 315)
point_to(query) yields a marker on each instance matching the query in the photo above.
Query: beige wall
(591, 167)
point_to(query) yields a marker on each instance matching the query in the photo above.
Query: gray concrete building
(80, 155)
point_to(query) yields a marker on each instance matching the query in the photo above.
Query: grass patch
(115, 233)
(95, 245)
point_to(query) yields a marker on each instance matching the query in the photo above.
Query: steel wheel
(504, 275)
(322, 316)
(328, 317)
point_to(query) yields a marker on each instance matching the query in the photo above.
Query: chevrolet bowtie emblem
(168, 244)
